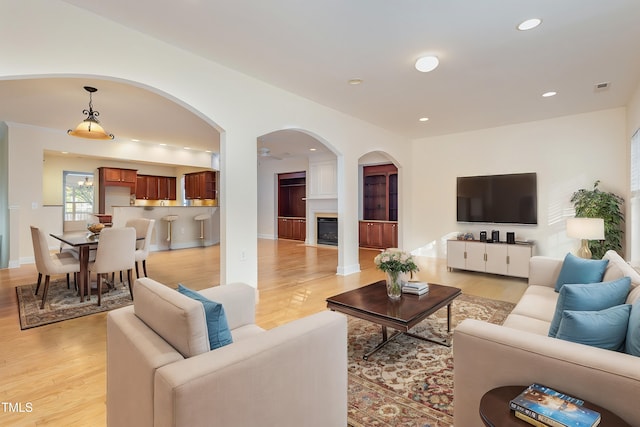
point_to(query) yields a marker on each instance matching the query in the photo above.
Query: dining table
(84, 242)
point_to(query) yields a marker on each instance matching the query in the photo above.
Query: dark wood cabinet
(167, 187)
(200, 185)
(380, 193)
(114, 177)
(292, 228)
(151, 187)
(379, 226)
(378, 234)
(292, 207)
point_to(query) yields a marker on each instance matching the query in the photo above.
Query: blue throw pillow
(632, 345)
(605, 329)
(580, 270)
(589, 297)
(217, 326)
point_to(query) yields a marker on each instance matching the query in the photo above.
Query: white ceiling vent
(602, 86)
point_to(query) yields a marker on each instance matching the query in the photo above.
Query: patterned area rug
(409, 382)
(63, 304)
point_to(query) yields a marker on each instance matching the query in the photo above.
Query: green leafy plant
(608, 206)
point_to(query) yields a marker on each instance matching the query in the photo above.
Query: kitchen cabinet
(114, 177)
(151, 187)
(494, 258)
(200, 185)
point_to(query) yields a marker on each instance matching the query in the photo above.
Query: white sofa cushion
(178, 319)
(538, 302)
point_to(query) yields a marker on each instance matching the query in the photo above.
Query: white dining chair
(116, 252)
(144, 230)
(49, 264)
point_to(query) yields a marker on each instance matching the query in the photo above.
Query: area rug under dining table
(64, 304)
(409, 382)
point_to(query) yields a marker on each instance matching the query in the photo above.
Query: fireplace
(327, 231)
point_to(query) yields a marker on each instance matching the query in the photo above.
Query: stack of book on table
(416, 288)
(544, 407)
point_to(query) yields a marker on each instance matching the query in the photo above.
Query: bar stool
(169, 219)
(202, 218)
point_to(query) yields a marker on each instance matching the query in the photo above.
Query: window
(634, 208)
(78, 195)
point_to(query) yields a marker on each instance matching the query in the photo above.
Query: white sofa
(520, 352)
(160, 371)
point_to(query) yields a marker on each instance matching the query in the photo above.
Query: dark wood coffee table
(372, 303)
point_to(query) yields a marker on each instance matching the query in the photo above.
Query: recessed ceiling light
(529, 24)
(355, 82)
(187, 148)
(424, 119)
(548, 94)
(135, 140)
(427, 63)
(163, 144)
(312, 149)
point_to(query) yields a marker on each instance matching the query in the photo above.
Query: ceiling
(490, 73)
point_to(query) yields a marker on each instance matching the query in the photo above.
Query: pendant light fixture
(90, 127)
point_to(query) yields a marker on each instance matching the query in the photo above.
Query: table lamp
(585, 229)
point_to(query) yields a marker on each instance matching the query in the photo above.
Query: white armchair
(160, 371)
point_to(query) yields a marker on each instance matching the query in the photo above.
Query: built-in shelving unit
(379, 225)
(292, 205)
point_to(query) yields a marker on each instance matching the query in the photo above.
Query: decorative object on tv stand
(585, 229)
(608, 206)
(90, 127)
(396, 264)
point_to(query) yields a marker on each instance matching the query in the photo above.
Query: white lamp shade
(585, 228)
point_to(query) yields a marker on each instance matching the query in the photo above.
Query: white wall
(242, 108)
(567, 153)
(4, 195)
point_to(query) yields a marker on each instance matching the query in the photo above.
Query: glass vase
(394, 284)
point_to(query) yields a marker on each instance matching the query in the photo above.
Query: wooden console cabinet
(496, 258)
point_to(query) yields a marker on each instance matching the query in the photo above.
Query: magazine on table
(553, 408)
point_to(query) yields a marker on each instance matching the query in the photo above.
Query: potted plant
(395, 263)
(600, 204)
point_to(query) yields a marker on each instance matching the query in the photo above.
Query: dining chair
(116, 252)
(48, 264)
(144, 229)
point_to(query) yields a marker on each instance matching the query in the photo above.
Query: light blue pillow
(217, 326)
(605, 329)
(580, 270)
(632, 345)
(589, 297)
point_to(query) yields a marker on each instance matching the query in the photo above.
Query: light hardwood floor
(60, 368)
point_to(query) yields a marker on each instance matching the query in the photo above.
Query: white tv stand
(496, 258)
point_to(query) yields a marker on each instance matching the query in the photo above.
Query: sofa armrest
(134, 352)
(487, 356)
(544, 271)
(238, 300)
(292, 375)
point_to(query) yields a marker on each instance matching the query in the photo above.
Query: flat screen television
(503, 199)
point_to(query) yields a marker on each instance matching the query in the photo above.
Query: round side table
(495, 412)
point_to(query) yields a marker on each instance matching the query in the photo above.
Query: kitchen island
(186, 231)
